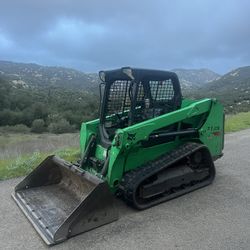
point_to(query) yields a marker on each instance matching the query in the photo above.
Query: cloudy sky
(93, 35)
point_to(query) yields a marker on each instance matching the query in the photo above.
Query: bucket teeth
(61, 201)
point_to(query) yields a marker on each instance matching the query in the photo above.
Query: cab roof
(128, 73)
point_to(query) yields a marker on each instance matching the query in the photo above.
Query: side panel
(212, 132)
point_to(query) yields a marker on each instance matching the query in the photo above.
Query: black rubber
(135, 179)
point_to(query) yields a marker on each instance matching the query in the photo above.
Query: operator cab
(129, 96)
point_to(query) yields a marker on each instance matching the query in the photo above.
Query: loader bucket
(61, 201)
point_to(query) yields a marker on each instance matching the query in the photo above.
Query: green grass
(22, 165)
(237, 122)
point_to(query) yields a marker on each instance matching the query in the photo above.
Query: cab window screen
(161, 90)
(119, 100)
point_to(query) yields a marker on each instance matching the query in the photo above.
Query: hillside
(238, 78)
(232, 89)
(62, 97)
(45, 109)
(33, 75)
(190, 78)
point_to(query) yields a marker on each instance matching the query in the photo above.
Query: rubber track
(132, 179)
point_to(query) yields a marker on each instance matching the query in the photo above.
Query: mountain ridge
(232, 88)
(189, 77)
(35, 75)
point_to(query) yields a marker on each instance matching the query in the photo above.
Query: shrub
(61, 126)
(38, 126)
(19, 128)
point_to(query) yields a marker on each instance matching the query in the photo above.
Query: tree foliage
(38, 126)
(60, 107)
(61, 126)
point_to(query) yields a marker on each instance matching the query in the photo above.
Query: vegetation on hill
(39, 98)
(34, 75)
(231, 89)
(37, 76)
(55, 109)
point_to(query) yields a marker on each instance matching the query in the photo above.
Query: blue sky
(94, 35)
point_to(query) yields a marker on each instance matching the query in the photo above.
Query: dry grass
(237, 122)
(16, 145)
(20, 153)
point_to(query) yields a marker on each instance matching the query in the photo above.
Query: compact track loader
(148, 146)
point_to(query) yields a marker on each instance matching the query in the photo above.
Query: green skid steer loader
(148, 146)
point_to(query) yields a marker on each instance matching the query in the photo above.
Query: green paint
(130, 154)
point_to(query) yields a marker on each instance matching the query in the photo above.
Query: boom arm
(141, 131)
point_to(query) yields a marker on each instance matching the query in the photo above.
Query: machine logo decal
(131, 137)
